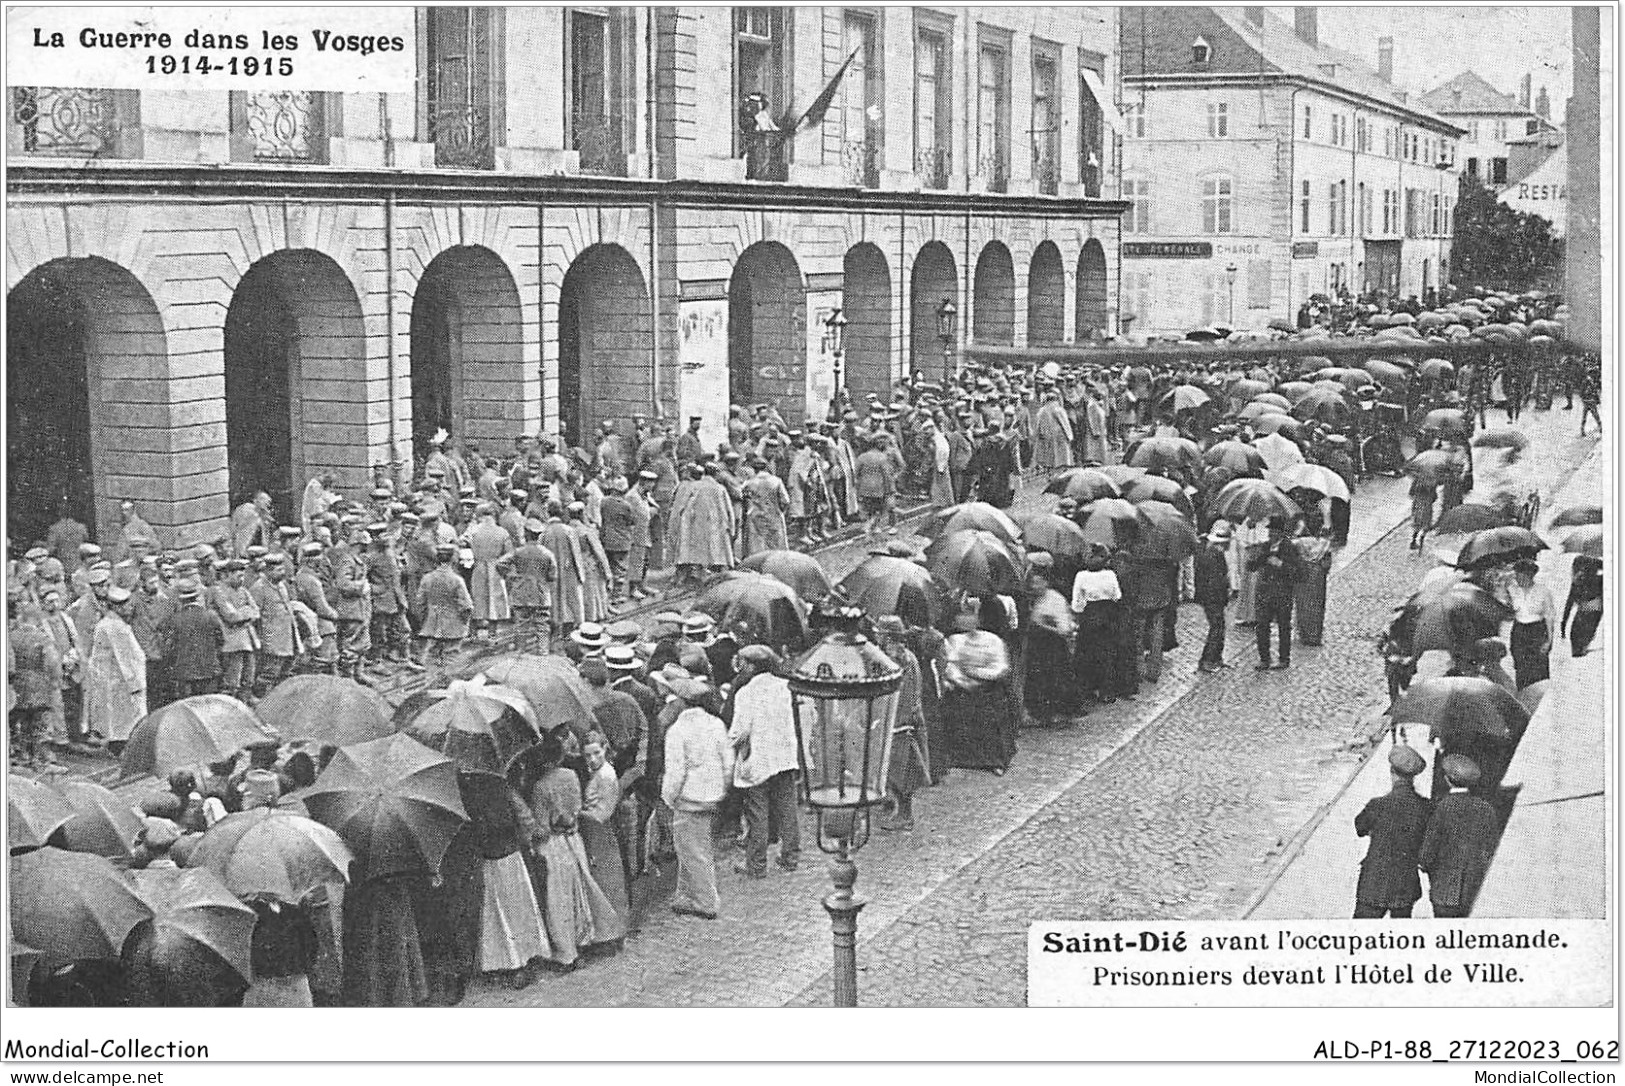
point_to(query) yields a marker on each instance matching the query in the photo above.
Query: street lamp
(1230, 282)
(1443, 166)
(835, 343)
(843, 699)
(947, 321)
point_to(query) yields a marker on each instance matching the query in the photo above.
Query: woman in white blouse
(1097, 601)
(1534, 622)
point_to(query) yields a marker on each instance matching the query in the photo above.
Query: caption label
(1320, 963)
(246, 48)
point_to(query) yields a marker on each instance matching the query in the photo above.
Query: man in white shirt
(1534, 621)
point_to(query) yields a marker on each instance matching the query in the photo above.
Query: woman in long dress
(1423, 494)
(1097, 608)
(979, 713)
(909, 770)
(1050, 692)
(577, 912)
(383, 956)
(511, 932)
(1315, 548)
(601, 797)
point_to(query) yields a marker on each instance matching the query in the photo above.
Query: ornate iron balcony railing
(68, 122)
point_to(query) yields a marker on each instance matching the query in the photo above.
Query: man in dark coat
(445, 605)
(1277, 564)
(1213, 592)
(1396, 822)
(193, 638)
(615, 531)
(389, 631)
(1150, 591)
(1459, 842)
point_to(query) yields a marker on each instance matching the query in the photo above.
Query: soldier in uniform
(193, 638)
(348, 596)
(279, 631)
(446, 606)
(389, 633)
(1395, 822)
(310, 589)
(240, 616)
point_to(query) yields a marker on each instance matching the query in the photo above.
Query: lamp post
(843, 699)
(1230, 282)
(1443, 166)
(835, 344)
(947, 322)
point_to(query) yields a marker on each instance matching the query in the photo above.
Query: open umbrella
(1166, 533)
(976, 562)
(770, 609)
(977, 516)
(326, 709)
(1111, 522)
(555, 690)
(1237, 457)
(1121, 474)
(395, 803)
(1494, 546)
(1386, 373)
(1055, 534)
(72, 906)
(1245, 388)
(799, 570)
(1253, 500)
(1502, 437)
(1324, 406)
(1184, 398)
(1435, 369)
(1586, 539)
(1159, 489)
(1259, 409)
(1084, 485)
(1294, 390)
(1278, 452)
(886, 585)
(1274, 399)
(477, 724)
(33, 812)
(1277, 424)
(268, 852)
(1577, 515)
(1316, 477)
(193, 911)
(102, 822)
(1168, 454)
(1447, 420)
(1467, 706)
(1431, 466)
(1329, 385)
(193, 731)
(1468, 517)
(1450, 615)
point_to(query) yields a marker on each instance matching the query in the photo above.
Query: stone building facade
(574, 218)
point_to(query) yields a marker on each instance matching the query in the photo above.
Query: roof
(1476, 96)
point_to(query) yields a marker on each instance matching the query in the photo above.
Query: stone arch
(1046, 295)
(604, 330)
(866, 300)
(767, 331)
(88, 403)
(467, 351)
(993, 306)
(296, 379)
(1093, 306)
(935, 279)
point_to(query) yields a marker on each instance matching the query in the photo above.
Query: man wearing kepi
(1396, 822)
(1459, 842)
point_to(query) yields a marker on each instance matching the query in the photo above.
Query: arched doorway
(767, 331)
(604, 334)
(1046, 295)
(84, 347)
(935, 279)
(1093, 313)
(994, 303)
(296, 379)
(467, 369)
(866, 301)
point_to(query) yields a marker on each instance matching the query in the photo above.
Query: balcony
(995, 168)
(462, 138)
(286, 126)
(862, 160)
(599, 140)
(63, 122)
(934, 165)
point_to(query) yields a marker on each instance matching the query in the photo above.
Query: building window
(1217, 206)
(279, 126)
(1390, 211)
(1362, 210)
(1334, 209)
(73, 122)
(993, 116)
(1531, 126)
(1436, 218)
(1137, 300)
(1201, 51)
(1134, 120)
(1387, 142)
(1046, 123)
(933, 107)
(463, 97)
(1215, 298)
(1303, 210)
(597, 76)
(1449, 223)
(759, 88)
(1472, 131)
(1498, 171)
(1308, 132)
(1413, 213)
(1472, 167)
(860, 102)
(1137, 220)
(1218, 120)
(1500, 131)
(1091, 134)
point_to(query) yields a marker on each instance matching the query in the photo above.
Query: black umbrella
(769, 608)
(888, 585)
(1494, 546)
(1168, 454)
(1469, 517)
(1084, 485)
(1463, 706)
(1167, 534)
(1578, 515)
(1159, 489)
(1237, 457)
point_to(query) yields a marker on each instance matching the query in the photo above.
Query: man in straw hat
(1213, 592)
(1395, 822)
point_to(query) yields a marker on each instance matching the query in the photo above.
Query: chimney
(1254, 17)
(1385, 59)
(1305, 22)
(1523, 92)
(1543, 105)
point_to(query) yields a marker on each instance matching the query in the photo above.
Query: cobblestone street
(1181, 803)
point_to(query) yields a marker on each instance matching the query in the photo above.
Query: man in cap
(763, 738)
(615, 532)
(252, 523)
(390, 633)
(445, 605)
(350, 597)
(493, 554)
(150, 607)
(310, 589)
(90, 556)
(240, 615)
(617, 713)
(531, 574)
(596, 574)
(566, 592)
(36, 682)
(1213, 592)
(318, 498)
(193, 639)
(1396, 823)
(67, 727)
(136, 537)
(115, 675)
(689, 446)
(1459, 842)
(279, 630)
(1278, 565)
